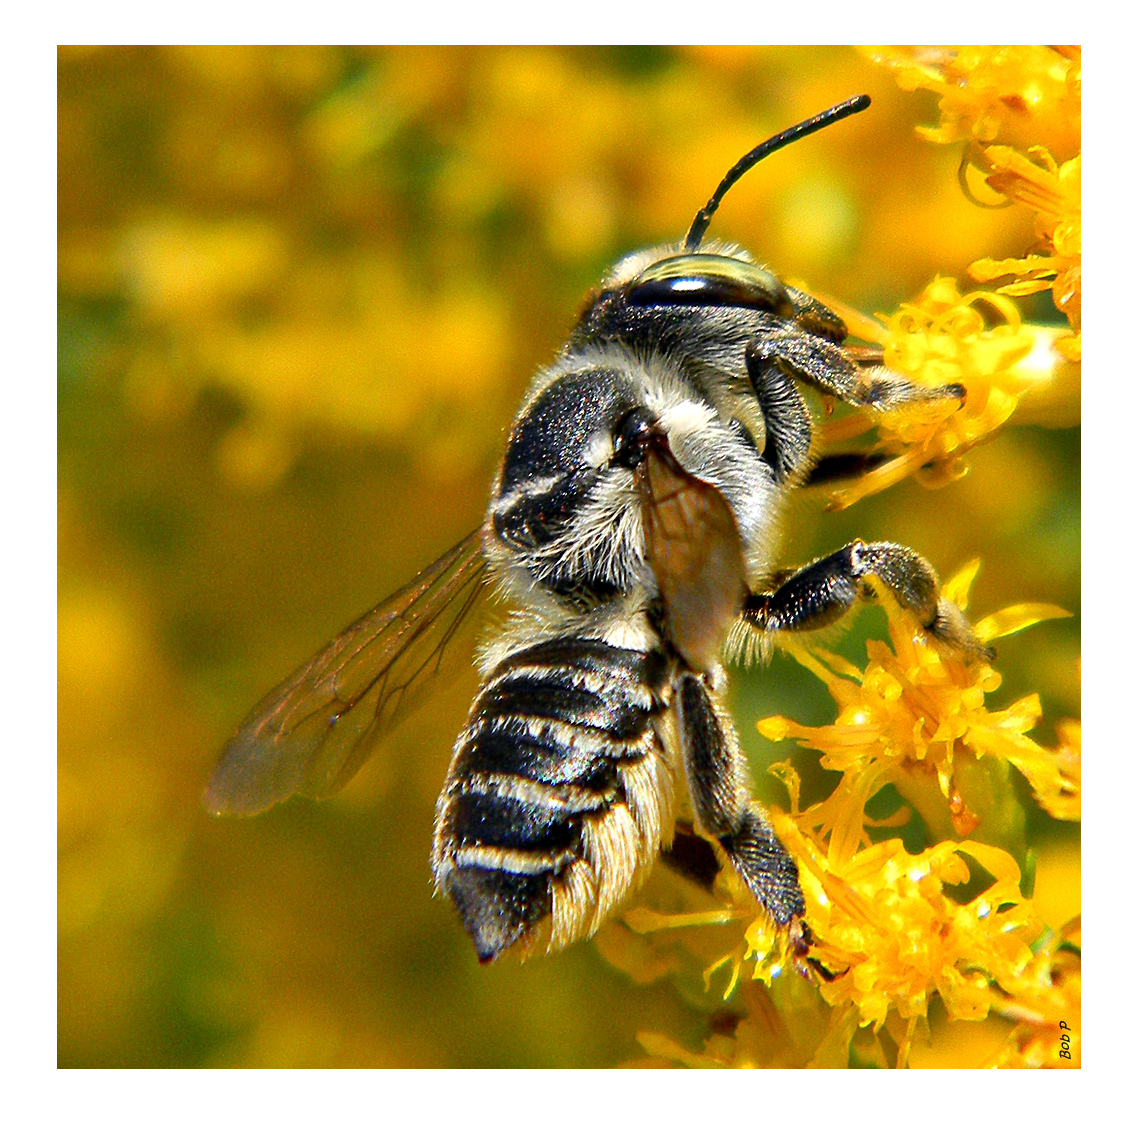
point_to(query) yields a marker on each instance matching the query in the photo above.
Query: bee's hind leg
(837, 467)
(723, 807)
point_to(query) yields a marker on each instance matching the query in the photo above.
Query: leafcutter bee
(633, 528)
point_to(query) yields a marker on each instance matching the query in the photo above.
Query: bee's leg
(784, 413)
(724, 810)
(820, 593)
(692, 856)
(822, 363)
(840, 466)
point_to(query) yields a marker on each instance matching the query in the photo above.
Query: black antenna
(795, 132)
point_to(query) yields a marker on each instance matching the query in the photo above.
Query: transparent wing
(312, 733)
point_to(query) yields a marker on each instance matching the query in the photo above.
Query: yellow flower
(887, 940)
(1045, 1002)
(939, 338)
(1055, 193)
(1031, 98)
(889, 932)
(892, 939)
(987, 92)
(885, 933)
(914, 715)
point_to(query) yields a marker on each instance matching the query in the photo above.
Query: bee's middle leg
(723, 807)
(820, 593)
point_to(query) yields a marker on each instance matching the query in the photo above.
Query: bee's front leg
(823, 363)
(722, 804)
(788, 427)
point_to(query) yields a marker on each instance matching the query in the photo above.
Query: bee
(633, 528)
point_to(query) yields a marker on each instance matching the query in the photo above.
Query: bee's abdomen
(559, 794)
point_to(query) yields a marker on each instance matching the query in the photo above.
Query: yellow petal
(1008, 621)
(957, 587)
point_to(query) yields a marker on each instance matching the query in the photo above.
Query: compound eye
(711, 279)
(631, 437)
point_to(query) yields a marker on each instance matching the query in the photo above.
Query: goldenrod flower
(1055, 193)
(910, 717)
(1030, 97)
(892, 938)
(1044, 1002)
(886, 937)
(882, 923)
(890, 941)
(940, 338)
(989, 92)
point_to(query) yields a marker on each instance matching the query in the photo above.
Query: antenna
(795, 132)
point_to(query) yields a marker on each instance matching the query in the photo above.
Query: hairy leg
(822, 592)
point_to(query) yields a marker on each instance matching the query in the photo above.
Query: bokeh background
(301, 291)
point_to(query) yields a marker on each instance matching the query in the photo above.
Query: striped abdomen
(559, 794)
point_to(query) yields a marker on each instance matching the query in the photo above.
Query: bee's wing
(693, 546)
(312, 733)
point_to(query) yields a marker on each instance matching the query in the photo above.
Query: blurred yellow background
(301, 291)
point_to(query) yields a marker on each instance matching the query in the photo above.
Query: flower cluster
(1024, 95)
(892, 931)
(942, 337)
(883, 925)
(893, 939)
(1043, 1002)
(916, 716)
(1054, 192)
(1016, 92)
(1030, 98)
